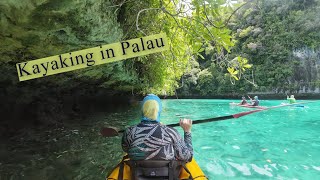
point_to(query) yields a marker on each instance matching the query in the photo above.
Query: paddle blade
(109, 132)
(246, 113)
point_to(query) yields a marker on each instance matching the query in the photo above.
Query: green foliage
(276, 43)
(37, 29)
(245, 32)
(188, 33)
(205, 82)
(283, 27)
(214, 46)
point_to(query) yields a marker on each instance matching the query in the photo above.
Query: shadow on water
(69, 147)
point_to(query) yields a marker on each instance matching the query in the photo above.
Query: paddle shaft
(109, 132)
(221, 118)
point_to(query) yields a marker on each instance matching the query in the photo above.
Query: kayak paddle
(111, 132)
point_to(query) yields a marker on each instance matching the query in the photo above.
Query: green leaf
(247, 66)
(200, 55)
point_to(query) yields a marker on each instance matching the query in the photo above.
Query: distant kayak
(246, 106)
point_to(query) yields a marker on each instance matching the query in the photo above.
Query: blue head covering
(156, 98)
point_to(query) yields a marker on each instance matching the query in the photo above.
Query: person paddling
(243, 101)
(150, 140)
(291, 99)
(255, 101)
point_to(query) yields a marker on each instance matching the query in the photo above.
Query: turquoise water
(281, 143)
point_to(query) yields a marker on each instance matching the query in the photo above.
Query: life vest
(156, 169)
(243, 102)
(256, 102)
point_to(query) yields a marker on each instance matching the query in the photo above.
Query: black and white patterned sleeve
(188, 139)
(183, 148)
(124, 143)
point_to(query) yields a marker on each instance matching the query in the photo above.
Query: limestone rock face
(33, 29)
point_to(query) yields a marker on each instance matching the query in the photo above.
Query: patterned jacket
(149, 140)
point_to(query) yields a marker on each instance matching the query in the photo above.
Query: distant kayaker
(150, 140)
(255, 101)
(291, 99)
(243, 101)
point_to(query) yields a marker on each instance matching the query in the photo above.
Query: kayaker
(150, 140)
(291, 99)
(255, 101)
(243, 101)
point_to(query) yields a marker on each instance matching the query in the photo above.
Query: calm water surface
(282, 143)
